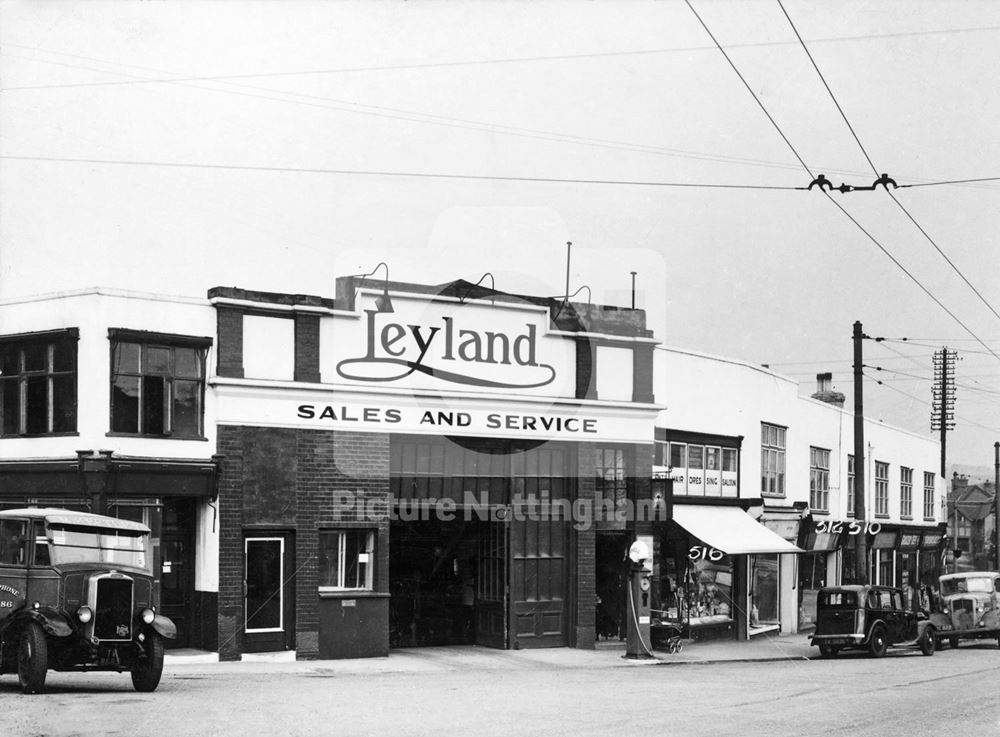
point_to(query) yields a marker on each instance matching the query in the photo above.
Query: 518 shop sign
(852, 528)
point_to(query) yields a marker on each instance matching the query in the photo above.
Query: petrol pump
(637, 642)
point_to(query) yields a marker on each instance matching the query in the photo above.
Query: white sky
(604, 90)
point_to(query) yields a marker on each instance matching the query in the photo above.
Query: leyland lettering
(425, 349)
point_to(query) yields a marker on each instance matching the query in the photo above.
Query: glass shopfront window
(763, 590)
(812, 577)
(696, 584)
(930, 559)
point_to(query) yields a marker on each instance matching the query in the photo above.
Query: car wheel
(877, 643)
(147, 670)
(928, 642)
(828, 651)
(32, 659)
(953, 641)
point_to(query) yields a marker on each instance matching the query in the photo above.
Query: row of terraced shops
(407, 465)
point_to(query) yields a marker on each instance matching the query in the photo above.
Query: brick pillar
(642, 372)
(586, 369)
(230, 442)
(230, 327)
(585, 632)
(307, 347)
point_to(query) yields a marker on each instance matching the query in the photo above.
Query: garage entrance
(494, 570)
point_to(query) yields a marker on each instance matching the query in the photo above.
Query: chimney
(824, 390)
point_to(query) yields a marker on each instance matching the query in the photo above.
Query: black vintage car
(870, 618)
(76, 593)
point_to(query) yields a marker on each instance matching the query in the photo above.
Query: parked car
(77, 593)
(968, 606)
(870, 618)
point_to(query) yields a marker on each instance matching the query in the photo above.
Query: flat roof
(55, 515)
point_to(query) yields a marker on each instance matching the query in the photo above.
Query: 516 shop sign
(703, 552)
(853, 528)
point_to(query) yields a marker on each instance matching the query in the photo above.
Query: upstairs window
(38, 383)
(906, 492)
(772, 460)
(157, 384)
(819, 479)
(928, 495)
(881, 489)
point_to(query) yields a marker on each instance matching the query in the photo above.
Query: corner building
(413, 465)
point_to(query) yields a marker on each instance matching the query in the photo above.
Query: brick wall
(298, 480)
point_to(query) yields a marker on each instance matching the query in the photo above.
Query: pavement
(606, 654)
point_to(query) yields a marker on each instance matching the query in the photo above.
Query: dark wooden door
(539, 548)
(491, 607)
(539, 585)
(269, 592)
(177, 567)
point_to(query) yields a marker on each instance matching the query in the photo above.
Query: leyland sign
(437, 366)
(444, 345)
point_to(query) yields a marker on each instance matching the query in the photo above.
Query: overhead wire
(515, 60)
(922, 401)
(864, 151)
(427, 175)
(393, 113)
(844, 211)
(750, 89)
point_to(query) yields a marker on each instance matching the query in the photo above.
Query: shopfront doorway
(176, 561)
(612, 584)
(268, 591)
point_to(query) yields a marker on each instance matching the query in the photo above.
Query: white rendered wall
(93, 312)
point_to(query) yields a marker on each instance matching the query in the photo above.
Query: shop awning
(730, 530)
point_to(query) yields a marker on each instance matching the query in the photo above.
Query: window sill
(821, 512)
(881, 516)
(352, 594)
(195, 438)
(907, 517)
(29, 435)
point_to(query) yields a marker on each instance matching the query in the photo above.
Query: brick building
(400, 465)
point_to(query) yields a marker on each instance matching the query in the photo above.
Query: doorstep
(279, 656)
(189, 656)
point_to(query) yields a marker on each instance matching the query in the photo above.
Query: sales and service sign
(434, 366)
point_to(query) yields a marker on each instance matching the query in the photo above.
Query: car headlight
(147, 616)
(84, 614)
(944, 610)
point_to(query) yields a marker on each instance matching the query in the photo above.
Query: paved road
(953, 692)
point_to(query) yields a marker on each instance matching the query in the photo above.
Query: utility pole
(996, 502)
(860, 541)
(943, 420)
(943, 394)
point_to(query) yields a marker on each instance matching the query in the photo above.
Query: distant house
(971, 523)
